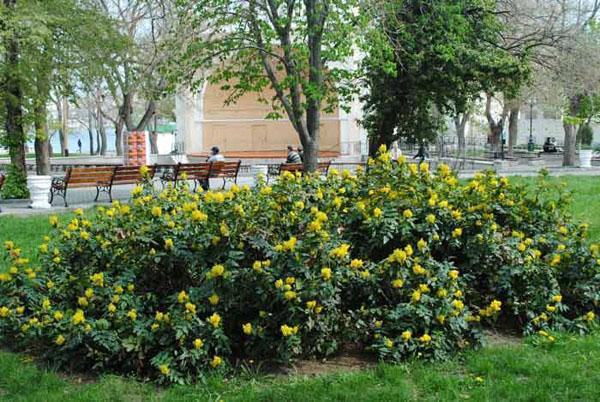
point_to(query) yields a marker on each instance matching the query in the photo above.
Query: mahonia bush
(402, 261)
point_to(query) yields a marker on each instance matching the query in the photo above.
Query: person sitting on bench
(215, 156)
(292, 156)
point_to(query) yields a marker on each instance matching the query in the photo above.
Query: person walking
(79, 144)
(422, 153)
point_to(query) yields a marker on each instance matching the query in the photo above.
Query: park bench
(225, 171)
(200, 173)
(123, 175)
(197, 172)
(322, 167)
(78, 177)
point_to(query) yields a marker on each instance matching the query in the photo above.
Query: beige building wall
(242, 126)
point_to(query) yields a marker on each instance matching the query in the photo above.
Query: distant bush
(15, 186)
(585, 135)
(397, 259)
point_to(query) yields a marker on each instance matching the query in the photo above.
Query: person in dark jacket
(421, 153)
(301, 154)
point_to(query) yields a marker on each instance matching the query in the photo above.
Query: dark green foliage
(15, 186)
(442, 56)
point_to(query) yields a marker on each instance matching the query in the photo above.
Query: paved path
(83, 197)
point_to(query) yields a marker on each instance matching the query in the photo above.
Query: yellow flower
(4, 311)
(340, 252)
(154, 327)
(416, 296)
(288, 331)
(589, 316)
(59, 340)
(423, 288)
(82, 301)
(326, 273)
(112, 308)
(132, 314)
(388, 343)
(406, 335)
(314, 226)
(441, 318)
(555, 260)
(46, 304)
(289, 295)
(58, 316)
(247, 328)
(419, 270)
(156, 211)
(550, 308)
(198, 216)
(426, 338)
(216, 362)
(496, 305)
(198, 343)
(164, 369)
(453, 274)
(356, 264)
(457, 232)
(457, 304)
(169, 244)
(377, 213)
(214, 299)
(190, 307)
(78, 317)
(215, 320)
(182, 297)
(421, 244)
(89, 293)
(398, 256)
(53, 220)
(397, 283)
(407, 213)
(311, 304)
(557, 298)
(130, 287)
(290, 280)
(378, 324)
(290, 244)
(98, 279)
(278, 283)
(216, 271)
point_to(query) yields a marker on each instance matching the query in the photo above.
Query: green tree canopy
(442, 55)
(300, 49)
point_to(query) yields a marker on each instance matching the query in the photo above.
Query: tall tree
(443, 55)
(298, 49)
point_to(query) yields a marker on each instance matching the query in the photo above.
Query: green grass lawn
(515, 371)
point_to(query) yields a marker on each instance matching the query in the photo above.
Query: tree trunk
(513, 128)
(97, 141)
(460, 123)
(154, 142)
(496, 126)
(62, 107)
(41, 142)
(150, 111)
(13, 123)
(101, 130)
(119, 136)
(91, 131)
(569, 146)
(571, 131)
(126, 111)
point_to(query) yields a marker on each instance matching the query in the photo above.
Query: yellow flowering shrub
(403, 261)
